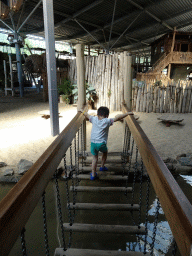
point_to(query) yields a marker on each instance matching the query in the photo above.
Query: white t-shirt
(100, 129)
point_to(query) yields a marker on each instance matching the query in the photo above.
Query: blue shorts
(96, 147)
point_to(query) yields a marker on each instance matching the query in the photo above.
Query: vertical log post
(51, 65)
(128, 80)
(81, 83)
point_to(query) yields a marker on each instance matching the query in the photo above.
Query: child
(99, 136)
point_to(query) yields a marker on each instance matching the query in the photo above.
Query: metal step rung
(100, 189)
(104, 207)
(97, 228)
(90, 252)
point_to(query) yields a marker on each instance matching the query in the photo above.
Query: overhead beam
(90, 34)
(28, 17)
(150, 14)
(125, 30)
(112, 21)
(7, 25)
(75, 15)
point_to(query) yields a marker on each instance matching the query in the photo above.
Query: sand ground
(24, 134)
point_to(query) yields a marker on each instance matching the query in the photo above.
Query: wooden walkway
(92, 187)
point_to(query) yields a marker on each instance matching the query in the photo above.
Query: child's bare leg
(104, 158)
(94, 164)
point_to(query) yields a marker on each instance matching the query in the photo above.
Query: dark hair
(103, 111)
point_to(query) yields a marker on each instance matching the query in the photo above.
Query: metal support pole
(11, 73)
(128, 80)
(51, 65)
(19, 66)
(5, 72)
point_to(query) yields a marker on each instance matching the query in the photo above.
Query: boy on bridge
(99, 136)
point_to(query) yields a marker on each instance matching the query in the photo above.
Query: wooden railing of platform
(175, 204)
(17, 206)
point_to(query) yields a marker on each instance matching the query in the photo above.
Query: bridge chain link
(146, 214)
(174, 250)
(68, 200)
(59, 210)
(155, 227)
(126, 145)
(45, 225)
(129, 166)
(140, 191)
(23, 244)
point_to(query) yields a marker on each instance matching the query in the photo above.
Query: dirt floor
(24, 134)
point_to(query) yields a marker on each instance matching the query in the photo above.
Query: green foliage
(90, 92)
(158, 83)
(66, 99)
(65, 88)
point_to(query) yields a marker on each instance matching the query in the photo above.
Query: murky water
(34, 229)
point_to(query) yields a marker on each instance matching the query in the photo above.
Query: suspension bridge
(132, 174)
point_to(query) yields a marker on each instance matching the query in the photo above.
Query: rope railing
(175, 205)
(18, 205)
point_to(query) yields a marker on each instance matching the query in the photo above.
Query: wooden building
(171, 53)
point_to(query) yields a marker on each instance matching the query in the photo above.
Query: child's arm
(121, 116)
(85, 114)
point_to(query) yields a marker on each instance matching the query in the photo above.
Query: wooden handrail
(175, 204)
(17, 206)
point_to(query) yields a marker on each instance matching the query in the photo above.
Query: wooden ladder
(100, 228)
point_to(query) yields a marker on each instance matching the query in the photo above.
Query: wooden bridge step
(102, 177)
(98, 189)
(104, 207)
(97, 228)
(108, 161)
(111, 153)
(90, 252)
(114, 168)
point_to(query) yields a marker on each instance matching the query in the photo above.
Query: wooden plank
(104, 207)
(176, 206)
(97, 228)
(111, 169)
(108, 161)
(90, 252)
(111, 153)
(102, 177)
(101, 189)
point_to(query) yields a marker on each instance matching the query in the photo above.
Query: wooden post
(81, 83)
(169, 70)
(173, 42)
(128, 80)
(80, 75)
